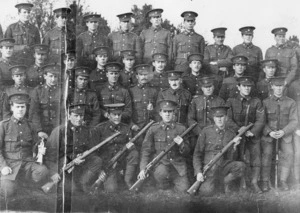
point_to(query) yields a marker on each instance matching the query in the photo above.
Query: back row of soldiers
(212, 86)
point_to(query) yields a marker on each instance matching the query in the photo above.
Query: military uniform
(159, 81)
(127, 77)
(264, 89)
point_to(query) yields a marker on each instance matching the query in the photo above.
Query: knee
(160, 173)
(239, 169)
(8, 188)
(40, 173)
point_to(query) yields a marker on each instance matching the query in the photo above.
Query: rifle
(244, 141)
(156, 160)
(276, 147)
(70, 166)
(110, 166)
(194, 188)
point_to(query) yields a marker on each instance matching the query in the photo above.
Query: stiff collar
(17, 121)
(250, 45)
(165, 125)
(189, 32)
(156, 29)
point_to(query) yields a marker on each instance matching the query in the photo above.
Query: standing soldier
(187, 42)
(281, 122)
(17, 139)
(87, 41)
(179, 95)
(82, 95)
(263, 87)
(112, 92)
(127, 75)
(172, 167)
(69, 63)
(245, 109)
(24, 33)
(211, 140)
(6, 49)
(252, 52)
(18, 73)
(46, 101)
(159, 76)
(155, 39)
(218, 56)
(129, 164)
(34, 73)
(286, 56)
(124, 39)
(60, 39)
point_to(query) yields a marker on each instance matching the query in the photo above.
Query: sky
(233, 14)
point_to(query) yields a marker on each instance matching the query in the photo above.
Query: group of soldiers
(97, 85)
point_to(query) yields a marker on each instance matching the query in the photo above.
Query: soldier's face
(82, 82)
(125, 25)
(18, 110)
(142, 78)
(280, 39)
(112, 77)
(208, 90)
(128, 63)
(60, 20)
(219, 40)
(159, 65)
(70, 62)
(7, 51)
(239, 69)
(220, 121)
(24, 15)
(175, 83)
(40, 58)
(51, 79)
(278, 90)
(195, 66)
(247, 38)
(92, 25)
(166, 115)
(19, 79)
(102, 59)
(115, 117)
(269, 71)
(244, 89)
(76, 119)
(189, 24)
(156, 21)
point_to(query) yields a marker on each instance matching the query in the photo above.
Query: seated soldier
(172, 167)
(17, 139)
(106, 153)
(6, 50)
(210, 141)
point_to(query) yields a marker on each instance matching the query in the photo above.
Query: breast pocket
(18, 36)
(159, 143)
(182, 46)
(11, 143)
(119, 99)
(55, 42)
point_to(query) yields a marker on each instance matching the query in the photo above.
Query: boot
(255, 175)
(227, 181)
(85, 181)
(283, 177)
(265, 186)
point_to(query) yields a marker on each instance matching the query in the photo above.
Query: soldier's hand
(273, 134)
(135, 127)
(129, 145)
(6, 171)
(178, 140)
(42, 135)
(142, 175)
(249, 134)
(150, 106)
(280, 134)
(200, 177)
(223, 69)
(102, 176)
(78, 161)
(298, 132)
(213, 63)
(236, 141)
(55, 178)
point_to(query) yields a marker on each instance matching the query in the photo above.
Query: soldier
(112, 92)
(143, 99)
(245, 109)
(17, 139)
(82, 95)
(211, 140)
(187, 42)
(87, 41)
(6, 49)
(129, 164)
(46, 101)
(98, 76)
(24, 33)
(127, 75)
(282, 131)
(191, 78)
(218, 56)
(263, 87)
(286, 56)
(1, 103)
(252, 52)
(69, 63)
(173, 167)
(179, 95)
(60, 39)
(65, 143)
(34, 73)
(124, 39)
(18, 73)
(155, 39)
(159, 76)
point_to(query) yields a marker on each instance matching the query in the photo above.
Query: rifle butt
(194, 188)
(136, 186)
(48, 186)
